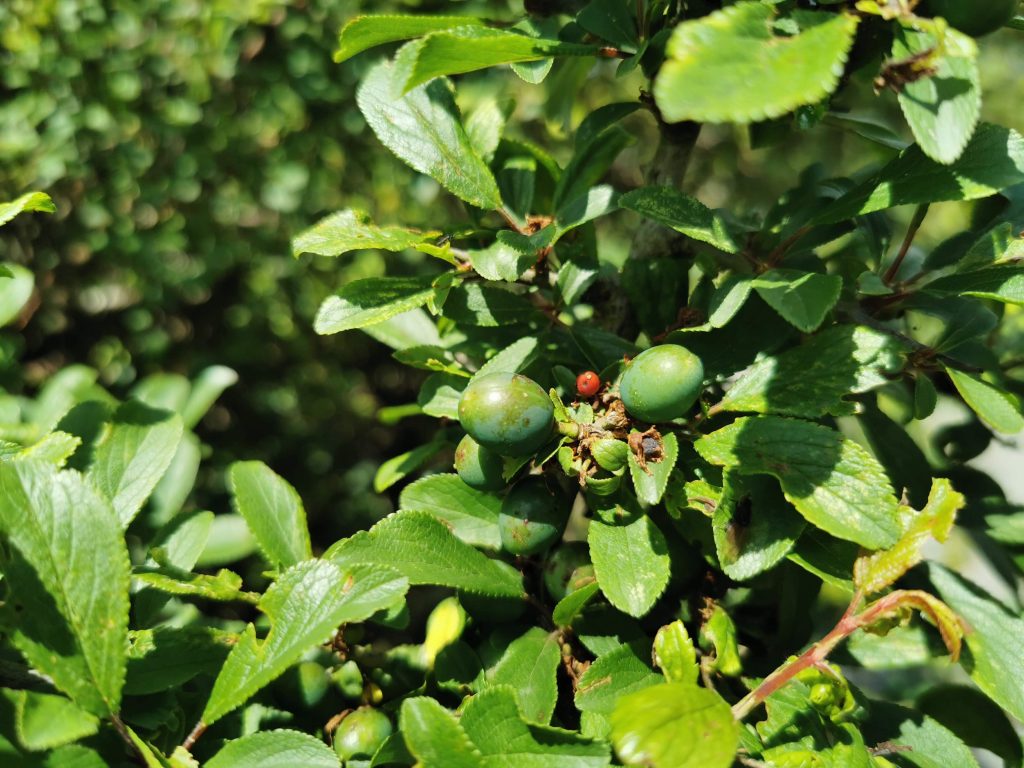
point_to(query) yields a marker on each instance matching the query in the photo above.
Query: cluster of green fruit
(508, 415)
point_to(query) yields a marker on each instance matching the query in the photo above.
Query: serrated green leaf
(736, 51)
(801, 298)
(67, 575)
(943, 108)
(873, 573)
(611, 20)
(993, 160)
(497, 730)
(501, 261)
(370, 301)
(434, 737)
(631, 562)
(15, 291)
(488, 306)
(998, 408)
(828, 558)
(470, 514)
(467, 49)
(675, 725)
(274, 749)
(223, 586)
(304, 605)
(350, 230)
(996, 656)
(593, 204)
(753, 525)
(975, 719)
(1003, 283)
(425, 551)
(56, 448)
(365, 32)
(613, 675)
(407, 329)
(675, 655)
(529, 667)
(439, 395)
(423, 129)
(833, 482)
(650, 483)
(132, 454)
(273, 510)
(1001, 244)
(815, 378)
(45, 721)
(684, 214)
(926, 742)
(30, 201)
(166, 658)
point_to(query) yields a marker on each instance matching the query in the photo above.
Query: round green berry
(661, 383)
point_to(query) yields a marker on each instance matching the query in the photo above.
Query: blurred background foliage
(186, 141)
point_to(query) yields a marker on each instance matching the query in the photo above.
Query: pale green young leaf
(684, 214)
(802, 298)
(833, 482)
(30, 201)
(650, 482)
(754, 527)
(875, 572)
(613, 675)
(814, 379)
(351, 230)
(998, 408)
(209, 385)
(1003, 283)
(631, 562)
(434, 737)
(304, 605)
(992, 161)
(425, 551)
(675, 725)
(399, 467)
(996, 656)
(737, 51)
(498, 731)
(943, 108)
(570, 606)
(371, 300)
(364, 32)
(423, 128)
(529, 666)
(67, 576)
(16, 288)
(470, 514)
(273, 510)
(718, 633)
(223, 586)
(274, 749)
(467, 49)
(56, 448)
(45, 721)
(132, 454)
(512, 359)
(675, 655)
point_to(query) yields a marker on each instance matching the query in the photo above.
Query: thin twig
(193, 737)
(510, 219)
(782, 248)
(915, 224)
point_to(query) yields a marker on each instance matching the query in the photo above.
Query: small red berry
(588, 383)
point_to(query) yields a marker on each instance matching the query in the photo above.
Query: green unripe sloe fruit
(361, 733)
(661, 383)
(559, 567)
(508, 413)
(532, 517)
(479, 467)
(975, 17)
